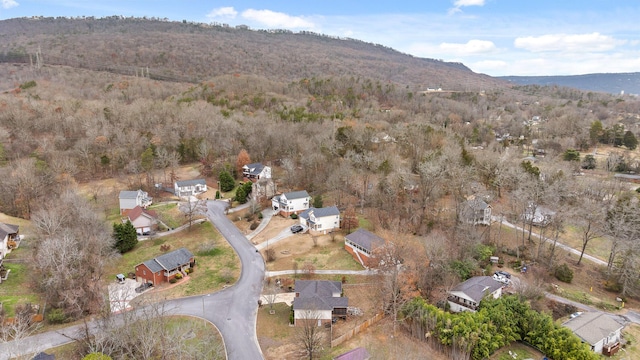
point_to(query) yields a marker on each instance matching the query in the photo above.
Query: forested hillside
(349, 121)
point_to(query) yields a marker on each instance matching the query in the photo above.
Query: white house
(597, 329)
(538, 215)
(9, 239)
(131, 199)
(467, 295)
(322, 220)
(476, 211)
(143, 220)
(318, 300)
(256, 171)
(291, 202)
(189, 187)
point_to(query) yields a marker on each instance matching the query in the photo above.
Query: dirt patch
(276, 225)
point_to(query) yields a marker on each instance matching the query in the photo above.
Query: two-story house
(131, 199)
(256, 171)
(321, 221)
(291, 203)
(319, 301)
(477, 212)
(189, 187)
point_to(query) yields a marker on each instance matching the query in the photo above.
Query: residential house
(291, 202)
(9, 239)
(358, 353)
(189, 187)
(476, 211)
(318, 300)
(256, 171)
(362, 245)
(538, 215)
(131, 199)
(165, 267)
(599, 330)
(627, 178)
(143, 220)
(322, 220)
(467, 295)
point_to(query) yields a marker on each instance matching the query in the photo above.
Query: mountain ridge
(613, 83)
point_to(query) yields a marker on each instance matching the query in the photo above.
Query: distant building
(189, 187)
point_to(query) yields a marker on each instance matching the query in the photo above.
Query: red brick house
(165, 267)
(362, 244)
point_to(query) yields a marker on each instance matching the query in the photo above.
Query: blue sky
(495, 37)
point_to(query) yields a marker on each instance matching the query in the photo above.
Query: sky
(494, 37)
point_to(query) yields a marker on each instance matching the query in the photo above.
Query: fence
(353, 332)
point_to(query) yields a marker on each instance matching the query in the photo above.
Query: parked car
(144, 287)
(503, 273)
(296, 229)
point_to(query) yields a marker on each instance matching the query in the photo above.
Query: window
(144, 272)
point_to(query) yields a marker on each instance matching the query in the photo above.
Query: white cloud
(593, 42)
(8, 4)
(470, 48)
(227, 12)
(459, 4)
(274, 19)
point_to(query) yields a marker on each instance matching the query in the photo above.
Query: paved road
(558, 244)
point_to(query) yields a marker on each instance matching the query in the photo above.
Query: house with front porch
(9, 239)
(291, 203)
(131, 199)
(363, 245)
(165, 267)
(318, 300)
(256, 171)
(601, 331)
(189, 187)
(467, 295)
(476, 212)
(321, 220)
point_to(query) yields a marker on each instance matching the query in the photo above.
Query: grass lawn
(175, 324)
(214, 267)
(632, 334)
(13, 291)
(170, 214)
(523, 352)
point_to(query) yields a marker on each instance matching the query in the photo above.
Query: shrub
(254, 225)
(28, 84)
(260, 216)
(188, 271)
(294, 216)
(291, 318)
(564, 273)
(271, 255)
(56, 316)
(217, 194)
(173, 281)
(178, 276)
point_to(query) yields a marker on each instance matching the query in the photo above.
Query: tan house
(143, 220)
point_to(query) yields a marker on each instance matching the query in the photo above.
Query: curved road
(233, 310)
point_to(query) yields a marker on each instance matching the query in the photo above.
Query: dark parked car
(143, 287)
(296, 229)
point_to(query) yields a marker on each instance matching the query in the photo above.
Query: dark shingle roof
(477, 287)
(320, 212)
(169, 261)
(318, 295)
(593, 326)
(365, 239)
(255, 168)
(7, 229)
(296, 194)
(191, 182)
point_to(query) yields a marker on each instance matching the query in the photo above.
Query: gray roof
(169, 261)
(296, 194)
(320, 212)
(358, 353)
(477, 204)
(593, 326)
(478, 287)
(365, 239)
(7, 229)
(318, 295)
(255, 168)
(126, 194)
(627, 176)
(191, 182)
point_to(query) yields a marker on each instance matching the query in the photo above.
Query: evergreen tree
(226, 181)
(629, 140)
(242, 193)
(317, 201)
(125, 235)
